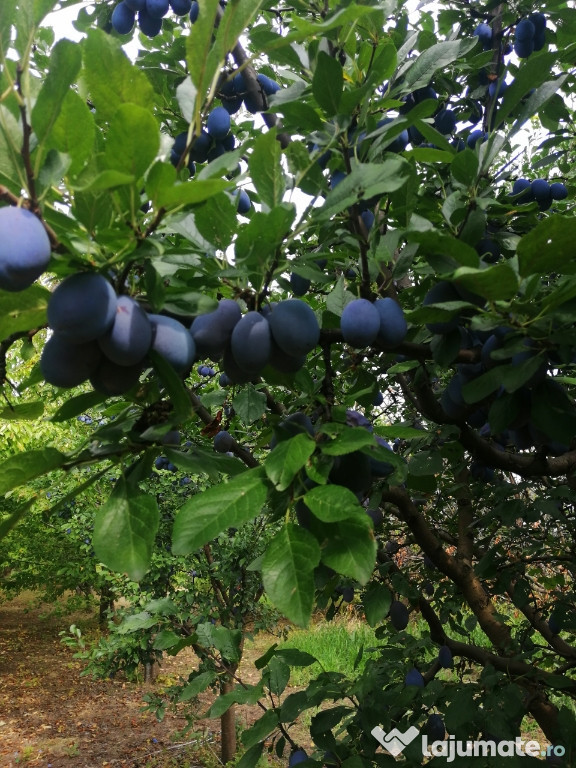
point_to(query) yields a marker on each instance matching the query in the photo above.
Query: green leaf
(198, 684)
(111, 77)
(376, 600)
(27, 465)
(251, 758)
(124, 531)
(295, 658)
(249, 404)
(331, 503)
(288, 572)
(257, 242)
(465, 167)
(350, 548)
(65, 63)
(287, 459)
(339, 297)
(24, 412)
(76, 405)
(200, 461)
(23, 310)
(12, 172)
(345, 439)
(236, 18)
(327, 83)
(106, 180)
(425, 463)
(419, 73)
(9, 522)
(366, 180)
(278, 675)
(217, 221)
(174, 385)
(132, 141)
(536, 100)
(261, 728)
(493, 283)
(549, 247)
(265, 169)
(202, 56)
(206, 515)
(73, 131)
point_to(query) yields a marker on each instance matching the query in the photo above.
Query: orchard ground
(51, 716)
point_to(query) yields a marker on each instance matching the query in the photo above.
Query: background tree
(372, 168)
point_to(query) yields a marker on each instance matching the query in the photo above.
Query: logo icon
(395, 741)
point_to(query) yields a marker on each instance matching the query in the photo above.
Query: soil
(52, 717)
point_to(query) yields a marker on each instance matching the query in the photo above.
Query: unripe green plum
(24, 248)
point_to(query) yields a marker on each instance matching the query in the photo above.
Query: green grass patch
(340, 645)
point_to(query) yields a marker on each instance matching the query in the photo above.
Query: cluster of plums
(530, 35)
(364, 322)
(24, 248)
(150, 14)
(212, 142)
(234, 91)
(105, 338)
(539, 191)
(498, 347)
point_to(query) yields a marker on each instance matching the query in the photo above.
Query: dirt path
(52, 717)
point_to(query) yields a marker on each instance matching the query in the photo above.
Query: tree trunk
(228, 725)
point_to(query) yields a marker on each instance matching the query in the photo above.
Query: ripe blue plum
(111, 379)
(173, 341)
(218, 123)
(223, 442)
(445, 657)
(157, 9)
(399, 615)
(360, 323)
(435, 729)
(135, 5)
(251, 342)
(299, 284)
(393, 326)
(123, 18)
(523, 189)
(244, 203)
(294, 327)
(523, 48)
(441, 293)
(269, 86)
(445, 121)
(414, 677)
(211, 332)
(129, 338)
(82, 307)
(525, 30)
(283, 362)
(149, 25)
(24, 248)
(558, 191)
(484, 33)
(194, 11)
(181, 7)
(298, 756)
(67, 365)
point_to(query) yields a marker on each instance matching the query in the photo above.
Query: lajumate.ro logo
(395, 742)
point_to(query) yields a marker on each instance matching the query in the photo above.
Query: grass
(336, 645)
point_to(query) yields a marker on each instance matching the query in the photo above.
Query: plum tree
(24, 248)
(82, 308)
(382, 166)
